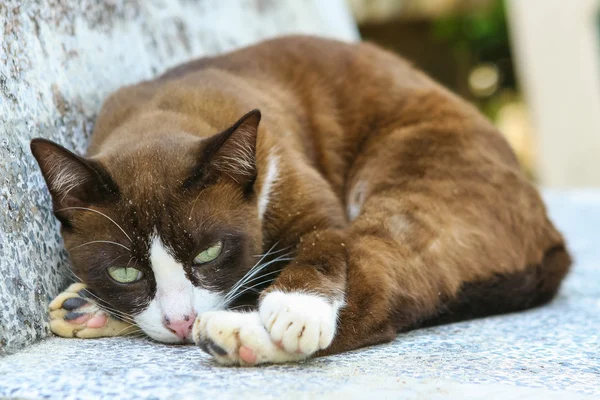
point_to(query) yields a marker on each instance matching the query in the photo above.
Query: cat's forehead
(153, 162)
(153, 195)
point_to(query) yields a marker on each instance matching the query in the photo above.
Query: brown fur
(448, 228)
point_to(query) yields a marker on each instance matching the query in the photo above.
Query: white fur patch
(356, 199)
(176, 296)
(399, 226)
(303, 323)
(270, 177)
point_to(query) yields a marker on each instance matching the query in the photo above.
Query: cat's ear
(233, 151)
(73, 181)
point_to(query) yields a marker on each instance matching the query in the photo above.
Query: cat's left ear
(233, 151)
(73, 181)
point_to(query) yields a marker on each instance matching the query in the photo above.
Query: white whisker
(124, 316)
(262, 276)
(112, 311)
(97, 212)
(234, 293)
(100, 241)
(253, 271)
(274, 252)
(240, 306)
(123, 333)
(251, 288)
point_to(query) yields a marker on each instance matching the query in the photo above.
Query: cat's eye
(209, 254)
(125, 274)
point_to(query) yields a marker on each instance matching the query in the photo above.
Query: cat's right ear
(73, 181)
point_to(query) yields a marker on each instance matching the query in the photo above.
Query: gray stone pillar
(57, 64)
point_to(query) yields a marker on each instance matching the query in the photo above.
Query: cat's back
(293, 56)
(332, 87)
(350, 85)
(299, 64)
(292, 72)
(307, 63)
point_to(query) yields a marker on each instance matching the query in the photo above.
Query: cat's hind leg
(74, 315)
(434, 241)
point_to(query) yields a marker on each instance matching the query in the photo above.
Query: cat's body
(400, 205)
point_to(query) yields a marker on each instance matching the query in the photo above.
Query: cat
(295, 198)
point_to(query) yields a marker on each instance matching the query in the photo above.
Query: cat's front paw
(72, 315)
(299, 322)
(237, 338)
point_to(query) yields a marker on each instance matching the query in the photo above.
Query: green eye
(124, 274)
(209, 254)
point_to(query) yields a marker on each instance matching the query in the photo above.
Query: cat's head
(162, 230)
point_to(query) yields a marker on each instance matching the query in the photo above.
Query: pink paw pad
(97, 321)
(247, 355)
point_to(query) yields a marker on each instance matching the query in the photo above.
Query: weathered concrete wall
(58, 61)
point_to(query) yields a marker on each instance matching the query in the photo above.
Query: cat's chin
(178, 342)
(167, 337)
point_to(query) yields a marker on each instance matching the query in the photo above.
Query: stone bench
(59, 62)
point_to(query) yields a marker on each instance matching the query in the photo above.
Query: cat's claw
(238, 338)
(72, 315)
(301, 323)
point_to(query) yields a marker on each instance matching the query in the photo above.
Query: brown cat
(362, 200)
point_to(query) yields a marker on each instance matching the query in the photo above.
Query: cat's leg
(74, 315)
(300, 309)
(297, 315)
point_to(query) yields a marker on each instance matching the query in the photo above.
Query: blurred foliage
(478, 28)
(479, 36)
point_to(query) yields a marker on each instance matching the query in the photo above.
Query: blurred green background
(465, 45)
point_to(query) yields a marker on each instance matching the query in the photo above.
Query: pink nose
(182, 327)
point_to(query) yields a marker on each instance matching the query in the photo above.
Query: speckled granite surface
(551, 352)
(58, 61)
